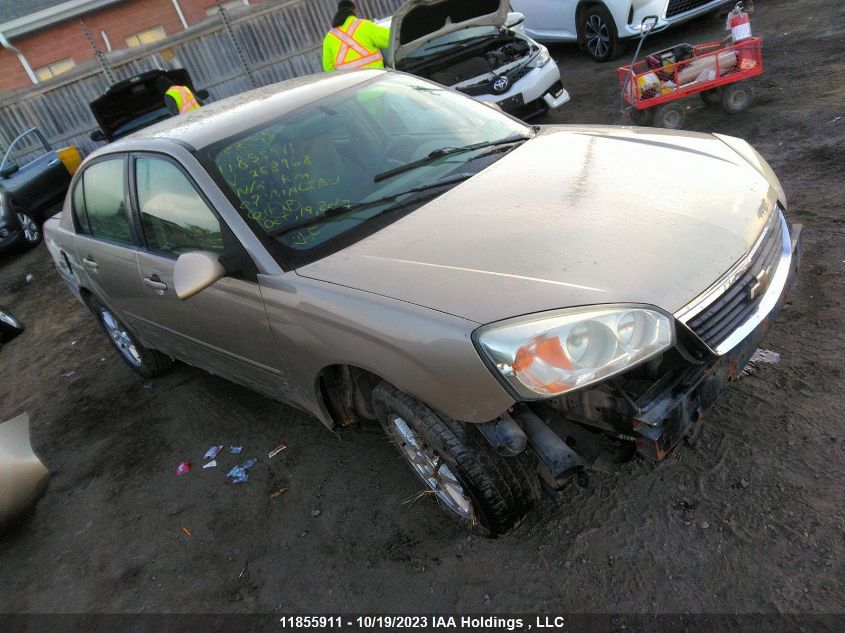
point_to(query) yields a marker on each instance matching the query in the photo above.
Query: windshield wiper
(447, 151)
(333, 212)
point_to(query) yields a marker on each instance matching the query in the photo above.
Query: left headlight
(545, 355)
(542, 58)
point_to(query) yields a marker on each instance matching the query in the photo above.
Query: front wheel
(146, 362)
(31, 231)
(479, 489)
(600, 38)
(737, 97)
(642, 117)
(669, 115)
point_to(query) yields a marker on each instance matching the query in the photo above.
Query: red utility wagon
(718, 72)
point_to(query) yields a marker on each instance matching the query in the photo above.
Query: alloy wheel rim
(597, 35)
(431, 468)
(121, 338)
(31, 232)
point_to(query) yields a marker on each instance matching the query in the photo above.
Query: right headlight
(545, 355)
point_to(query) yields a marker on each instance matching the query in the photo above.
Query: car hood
(575, 216)
(419, 21)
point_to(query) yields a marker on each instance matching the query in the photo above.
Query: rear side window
(99, 204)
(174, 217)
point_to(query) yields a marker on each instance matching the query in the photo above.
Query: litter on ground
(186, 531)
(277, 450)
(278, 493)
(211, 464)
(238, 473)
(213, 452)
(183, 468)
(765, 356)
(235, 449)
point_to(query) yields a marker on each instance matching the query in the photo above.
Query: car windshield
(326, 175)
(457, 38)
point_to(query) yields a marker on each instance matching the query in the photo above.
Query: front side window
(99, 203)
(315, 179)
(174, 218)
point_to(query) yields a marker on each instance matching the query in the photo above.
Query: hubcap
(121, 338)
(431, 468)
(597, 35)
(31, 232)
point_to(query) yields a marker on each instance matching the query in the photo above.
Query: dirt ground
(748, 520)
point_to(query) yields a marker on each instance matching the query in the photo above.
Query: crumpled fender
(23, 477)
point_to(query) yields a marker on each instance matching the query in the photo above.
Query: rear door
(222, 329)
(106, 242)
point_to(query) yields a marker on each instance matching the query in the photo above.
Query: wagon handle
(646, 27)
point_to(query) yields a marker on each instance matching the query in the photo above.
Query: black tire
(669, 115)
(599, 36)
(737, 97)
(500, 490)
(144, 361)
(642, 117)
(32, 234)
(711, 97)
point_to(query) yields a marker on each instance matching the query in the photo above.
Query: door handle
(90, 263)
(155, 282)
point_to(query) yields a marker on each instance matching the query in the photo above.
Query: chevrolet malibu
(512, 304)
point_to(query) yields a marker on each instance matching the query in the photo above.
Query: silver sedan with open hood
(509, 302)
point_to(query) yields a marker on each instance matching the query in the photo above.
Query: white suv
(601, 27)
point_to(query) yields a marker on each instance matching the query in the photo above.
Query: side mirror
(514, 19)
(97, 135)
(195, 272)
(202, 94)
(8, 169)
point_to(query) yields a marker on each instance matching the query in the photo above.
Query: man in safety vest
(353, 42)
(177, 99)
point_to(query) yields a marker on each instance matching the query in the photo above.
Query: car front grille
(676, 7)
(734, 306)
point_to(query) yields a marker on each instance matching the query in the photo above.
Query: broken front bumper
(665, 415)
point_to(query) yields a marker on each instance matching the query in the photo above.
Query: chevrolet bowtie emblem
(761, 282)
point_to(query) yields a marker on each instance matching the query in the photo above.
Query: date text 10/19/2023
(391, 622)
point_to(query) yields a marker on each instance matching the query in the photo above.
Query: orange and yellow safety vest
(355, 44)
(184, 98)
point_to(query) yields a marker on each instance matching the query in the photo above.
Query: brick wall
(67, 39)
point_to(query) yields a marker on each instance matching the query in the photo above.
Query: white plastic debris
(765, 356)
(29, 278)
(211, 464)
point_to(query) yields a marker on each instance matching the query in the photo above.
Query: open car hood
(132, 99)
(420, 21)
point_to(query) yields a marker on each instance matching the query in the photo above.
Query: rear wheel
(478, 488)
(147, 362)
(737, 97)
(600, 37)
(669, 115)
(31, 231)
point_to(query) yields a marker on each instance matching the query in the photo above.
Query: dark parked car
(27, 191)
(135, 103)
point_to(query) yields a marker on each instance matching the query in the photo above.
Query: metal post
(104, 64)
(241, 57)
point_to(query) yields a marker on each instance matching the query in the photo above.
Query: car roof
(228, 117)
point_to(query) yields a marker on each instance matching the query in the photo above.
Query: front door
(222, 329)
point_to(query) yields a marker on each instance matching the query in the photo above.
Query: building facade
(42, 39)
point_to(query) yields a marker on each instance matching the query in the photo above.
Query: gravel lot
(748, 520)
